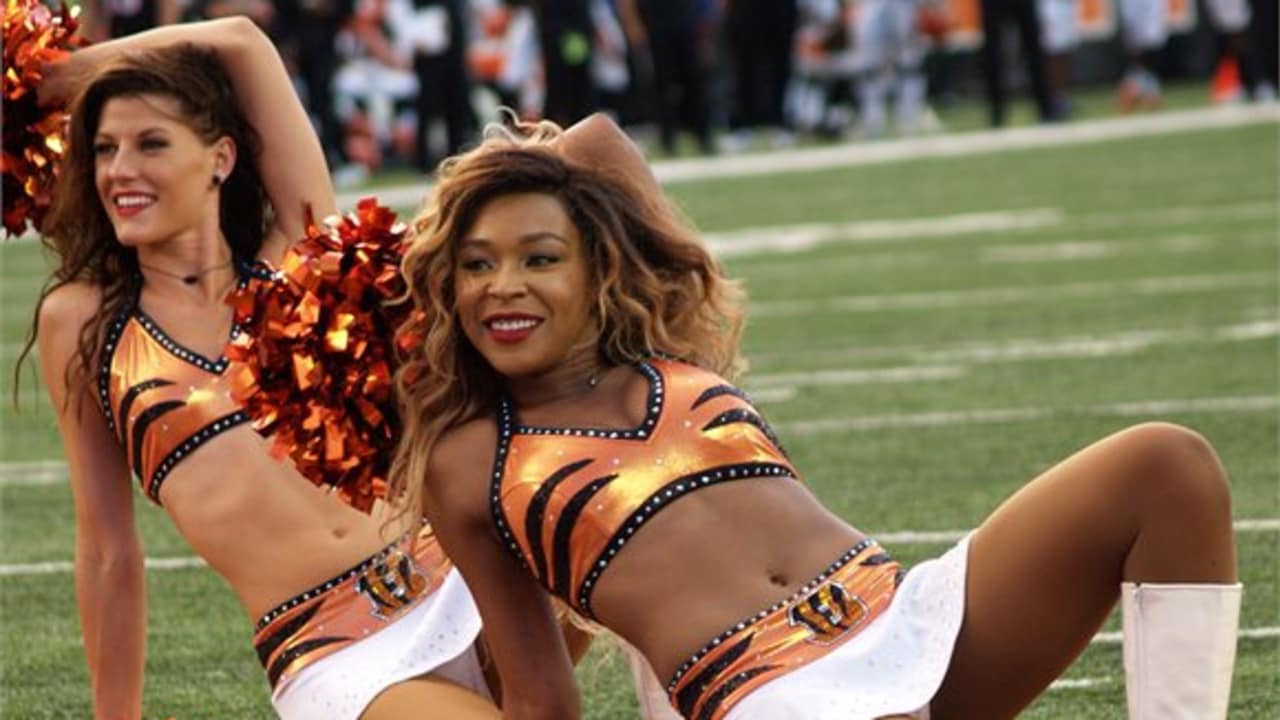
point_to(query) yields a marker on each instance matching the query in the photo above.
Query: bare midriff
(712, 559)
(263, 527)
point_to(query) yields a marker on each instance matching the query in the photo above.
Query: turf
(1152, 278)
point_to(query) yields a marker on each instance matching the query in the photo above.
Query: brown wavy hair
(658, 291)
(77, 228)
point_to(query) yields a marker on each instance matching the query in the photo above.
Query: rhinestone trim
(202, 436)
(659, 500)
(510, 426)
(332, 582)
(112, 340)
(804, 590)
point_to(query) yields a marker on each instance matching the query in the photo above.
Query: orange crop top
(566, 500)
(161, 399)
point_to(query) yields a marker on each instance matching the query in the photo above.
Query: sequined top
(566, 500)
(161, 399)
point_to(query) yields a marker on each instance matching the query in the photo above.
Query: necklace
(189, 279)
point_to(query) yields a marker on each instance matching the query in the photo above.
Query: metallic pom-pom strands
(34, 34)
(314, 365)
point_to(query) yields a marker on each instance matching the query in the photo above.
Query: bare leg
(1149, 504)
(427, 696)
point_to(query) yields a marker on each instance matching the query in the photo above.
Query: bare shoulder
(62, 315)
(69, 306)
(465, 450)
(459, 467)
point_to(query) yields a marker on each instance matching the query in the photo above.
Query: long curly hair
(77, 228)
(658, 291)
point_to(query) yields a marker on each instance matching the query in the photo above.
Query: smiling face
(523, 289)
(152, 172)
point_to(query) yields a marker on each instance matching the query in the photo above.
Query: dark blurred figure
(996, 14)
(1060, 38)
(761, 38)
(104, 19)
(1233, 24)
(669, 31)
(261, 12)
(565, 36)
(308, 29)
(1144, 25)
(1264, 30)
(436, 32)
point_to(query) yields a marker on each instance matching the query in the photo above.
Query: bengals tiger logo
(828, 612)
(391, 584)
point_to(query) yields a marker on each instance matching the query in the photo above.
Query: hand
(61, 80)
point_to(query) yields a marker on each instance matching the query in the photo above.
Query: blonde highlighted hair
(658, 291)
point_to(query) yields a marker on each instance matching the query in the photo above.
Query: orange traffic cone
(1226, 86)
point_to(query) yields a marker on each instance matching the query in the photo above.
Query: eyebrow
(524, 239)
(143, 131)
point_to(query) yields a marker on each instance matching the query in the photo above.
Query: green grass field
(917, 377)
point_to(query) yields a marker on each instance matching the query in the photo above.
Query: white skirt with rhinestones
(436, 637)
(892, 667)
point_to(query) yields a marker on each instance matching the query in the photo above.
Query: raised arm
(292, 163)
(519, 625)
(109, 575)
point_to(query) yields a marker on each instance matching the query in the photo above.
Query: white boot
(1179, 649)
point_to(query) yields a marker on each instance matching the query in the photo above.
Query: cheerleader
(573, 429)
(190, 158)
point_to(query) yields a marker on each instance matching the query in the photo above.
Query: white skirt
(892, 667)
(437, 637)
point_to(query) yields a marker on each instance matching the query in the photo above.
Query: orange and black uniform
(566, 501)
(161, 399)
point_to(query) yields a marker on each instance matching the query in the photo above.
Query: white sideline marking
(851, 376)
(52, 568)
(1176, 215)
(954, 145)
(866, 423)
(1258, 633)
(946, 537)
(1080, 683)
(1091, 249)
(797, 238)
(1071, 346)
(1159, 285)
(31, 466)
(903, 537)
(783, 387)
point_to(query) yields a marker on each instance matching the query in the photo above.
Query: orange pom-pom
(34, 34)
(314, 364)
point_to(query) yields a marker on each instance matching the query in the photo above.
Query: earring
(217, 180)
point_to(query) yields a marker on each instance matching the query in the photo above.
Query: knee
(1178, 464)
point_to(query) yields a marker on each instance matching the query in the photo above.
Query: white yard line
(782, 387)
(853, 376)
(798, 238)
(1013, 349)
(825, 157)
(58, 567)
(1080, 683)
(992, 416)
(1258, 633)
(1160, 285)
(1159, 217)
(962, 144)
(791, 239)
(1075, 251)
